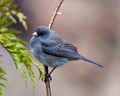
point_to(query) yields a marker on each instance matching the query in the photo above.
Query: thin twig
(55, 13)
(47, 81)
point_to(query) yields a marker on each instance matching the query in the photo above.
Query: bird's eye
(40, 33)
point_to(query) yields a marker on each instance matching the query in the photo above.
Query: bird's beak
(35, 34)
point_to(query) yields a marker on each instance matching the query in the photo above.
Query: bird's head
(42, 31)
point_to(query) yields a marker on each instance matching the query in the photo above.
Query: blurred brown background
(91, 25)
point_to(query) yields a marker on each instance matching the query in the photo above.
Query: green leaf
(9, 14)
(5, 3)
(22, 19)
(2, 78)
(41, 72)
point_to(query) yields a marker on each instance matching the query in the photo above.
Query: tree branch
(47, 81)
(55, 13)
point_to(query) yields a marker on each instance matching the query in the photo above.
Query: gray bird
(52, 50)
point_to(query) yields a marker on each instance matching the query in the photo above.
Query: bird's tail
(90, 61)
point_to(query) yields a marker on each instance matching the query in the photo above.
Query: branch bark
(55, 13)
(47, 81)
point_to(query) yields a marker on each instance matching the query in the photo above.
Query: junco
(52, 50)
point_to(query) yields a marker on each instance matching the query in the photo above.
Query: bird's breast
(50, 60)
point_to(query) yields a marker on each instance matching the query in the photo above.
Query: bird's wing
(63, 49)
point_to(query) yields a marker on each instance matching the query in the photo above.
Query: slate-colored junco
(52, 50)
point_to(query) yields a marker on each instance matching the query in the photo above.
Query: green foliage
(2, 79)
(15, 46)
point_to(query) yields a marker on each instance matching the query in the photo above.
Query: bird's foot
(48, 77)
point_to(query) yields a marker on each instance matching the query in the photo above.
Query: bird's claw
(48, 77)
